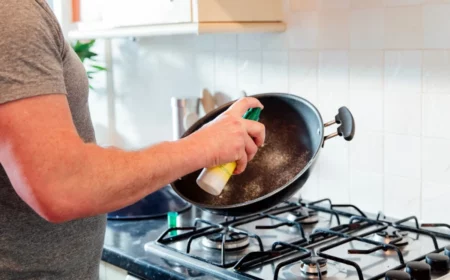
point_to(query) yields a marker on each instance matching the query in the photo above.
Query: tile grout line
(214, 65)
(349, 41)
(236, 62)
(261, 68)
(383, 97)
(421, 135)
(317, 101)
(368, 49)
(348, 104)
(237, 57)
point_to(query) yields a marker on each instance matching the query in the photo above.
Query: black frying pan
(294, 137)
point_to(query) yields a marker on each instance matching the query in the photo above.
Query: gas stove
(309, 240)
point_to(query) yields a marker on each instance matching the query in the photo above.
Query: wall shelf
(176, 29)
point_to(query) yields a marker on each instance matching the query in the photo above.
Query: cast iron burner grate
(225, 237)
(394, 229)
(304, 216)
(234, 241)
(171, 236)
(378, 245)
(278, 249)
(392, 236)
(314, 266)
(385, 236)
(228, 237)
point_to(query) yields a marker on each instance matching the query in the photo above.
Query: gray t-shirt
(35, 60)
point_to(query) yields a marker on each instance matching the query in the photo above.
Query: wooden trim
(76, 17)
(241, 27)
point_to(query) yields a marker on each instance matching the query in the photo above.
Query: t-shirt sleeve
(31, 48)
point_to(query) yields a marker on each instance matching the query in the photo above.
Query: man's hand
(230, 137)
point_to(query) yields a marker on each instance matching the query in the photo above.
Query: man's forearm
(97, 180)
(113, 178)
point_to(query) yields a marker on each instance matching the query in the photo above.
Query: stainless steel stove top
(309, 240)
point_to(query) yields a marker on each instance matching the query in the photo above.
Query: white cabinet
(139, 18)
(143, 12)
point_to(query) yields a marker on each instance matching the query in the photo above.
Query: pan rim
(232, 207)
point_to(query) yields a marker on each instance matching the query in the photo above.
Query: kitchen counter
(124, 248)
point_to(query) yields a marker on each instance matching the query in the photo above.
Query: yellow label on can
(225, 170)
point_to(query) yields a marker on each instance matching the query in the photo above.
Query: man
(55, 184)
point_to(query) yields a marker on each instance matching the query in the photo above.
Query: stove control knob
(419, 270)
(438, 263)
(447, 251)
(397, 275)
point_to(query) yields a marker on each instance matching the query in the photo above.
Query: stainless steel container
(185, 112)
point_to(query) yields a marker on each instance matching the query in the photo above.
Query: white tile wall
(366, 4)
(226, 71)
(433, 197)
(436, 115)
(366, 70)
(366, 153)
(393, 3)
(275, 71)
(363, 183)
(303, 5)
(402, 195)
(249, 42)
(303, 69)
(334, 28)
(402, 113)
(403, 72)
(403, 27)
(303, 33)
(436, 71)
(387, 60)
(436, 22)
(435, 160)
(370, 118)
(367, 29)
(402, 155)
(249, 71)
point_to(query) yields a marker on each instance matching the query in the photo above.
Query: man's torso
(30, 247)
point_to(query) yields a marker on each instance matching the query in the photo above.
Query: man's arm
(62, 178)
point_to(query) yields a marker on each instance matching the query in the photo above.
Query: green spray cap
(252, 114)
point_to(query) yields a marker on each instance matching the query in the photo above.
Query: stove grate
(284, 222)
(379, 246)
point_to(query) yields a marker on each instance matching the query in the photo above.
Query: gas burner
(313, 216)
(447, 251)
(309, 266)
(389, 235)
(233, 241)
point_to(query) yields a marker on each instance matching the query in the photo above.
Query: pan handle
(347, 125)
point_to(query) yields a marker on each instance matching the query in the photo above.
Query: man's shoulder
(25, 15)
(29, 22)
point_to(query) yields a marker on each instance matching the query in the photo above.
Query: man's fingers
(256, 130)
(242, 105)
(250, 148)
(241, 163)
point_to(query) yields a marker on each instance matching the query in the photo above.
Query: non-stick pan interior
(293, 135)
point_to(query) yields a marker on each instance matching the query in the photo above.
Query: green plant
(84, 52)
